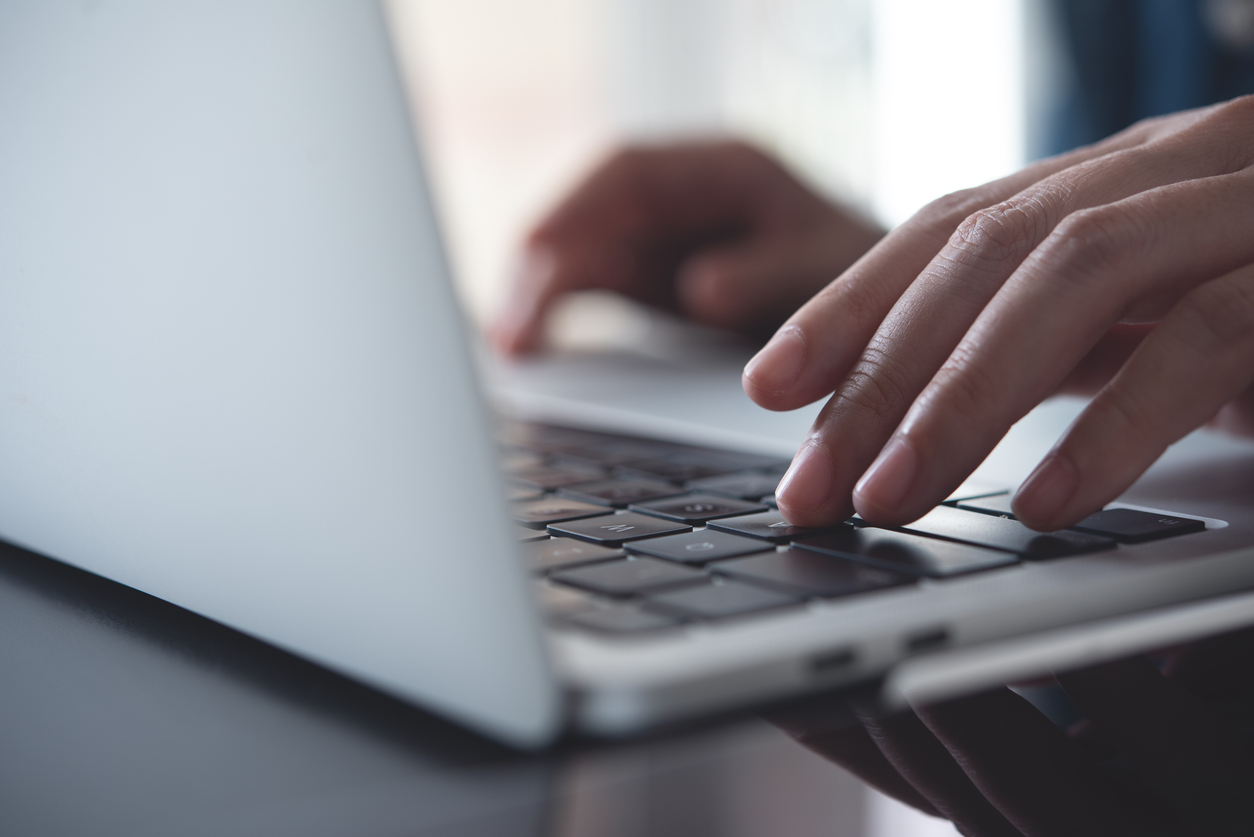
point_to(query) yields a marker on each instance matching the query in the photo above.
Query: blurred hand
(716, 231)
(1127, 267)
(1157, 754)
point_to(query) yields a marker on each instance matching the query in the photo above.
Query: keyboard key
(618, 529)
(539, 513)
(995, 504)
(522, 492)
(741, 486)
(768, 525)
(524, 534)
(666, 469)
(697, 508)
(698, 547)
(771, 501)
(556, 600)
(548, 479)
(629, 576)
(622, 619)
(1135, 526)
(720, 599)
(906, 552)
(566, 552)
(810, 574)
(1002, 533)
(620, 493)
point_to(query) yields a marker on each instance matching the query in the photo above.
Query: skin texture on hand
(1160, 750)
(1125, 268)
(716, 231)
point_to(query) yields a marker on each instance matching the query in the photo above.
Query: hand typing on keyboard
(717, 231)
(1126, 266)
(1125, 269)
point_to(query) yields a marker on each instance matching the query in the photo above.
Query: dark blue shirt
(1137, 58)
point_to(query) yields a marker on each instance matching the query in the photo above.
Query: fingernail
(776, 367)
(889, 479)
(808, 481)
(1046, 493)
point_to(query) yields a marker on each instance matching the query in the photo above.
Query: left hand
(1126, 266)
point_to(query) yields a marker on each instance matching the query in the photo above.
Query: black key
(995, 504)
(741, 486)
(617, 530)
(620, 493)
(622, 619)
(699, 547)
(1135, 526)
(557, 600)
(539, 513)
(629, 576)
(973, 488)
(697, 508)
(551, 478)
(566, 552)
(810, 574)
(771, 501)
(907, 553)
(1002, 533)
(719, 599)
(768, 525)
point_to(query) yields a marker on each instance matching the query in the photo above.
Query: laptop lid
(232, 370)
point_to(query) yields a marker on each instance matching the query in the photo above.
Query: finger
(851, 747)
(1105, 359)
(1026, 767)
(932, 316)
(930, 768)
(754, 284)
(835, 326)
(1096, 266)
(818, 346)
(1196, 360)
(1168, 740)
(629, 225)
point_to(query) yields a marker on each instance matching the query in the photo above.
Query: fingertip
(1045, 499)
(771, 374)
(805, 492)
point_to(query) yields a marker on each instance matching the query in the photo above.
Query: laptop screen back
(232, 371)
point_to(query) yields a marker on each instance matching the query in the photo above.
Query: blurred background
(884, 104)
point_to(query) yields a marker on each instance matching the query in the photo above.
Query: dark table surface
(121, 714)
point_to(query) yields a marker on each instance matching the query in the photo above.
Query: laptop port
(927, 640)
(830, 661)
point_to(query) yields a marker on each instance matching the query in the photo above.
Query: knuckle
(998, 233)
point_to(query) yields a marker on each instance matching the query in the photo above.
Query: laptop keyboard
(629, 535)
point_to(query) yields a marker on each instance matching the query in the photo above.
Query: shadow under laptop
(150, 719)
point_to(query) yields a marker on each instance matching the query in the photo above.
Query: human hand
(717, 231)
(1158, 753)
(1127, 265)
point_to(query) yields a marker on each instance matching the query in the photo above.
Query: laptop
(233, 374)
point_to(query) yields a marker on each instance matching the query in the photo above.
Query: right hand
(717, 231)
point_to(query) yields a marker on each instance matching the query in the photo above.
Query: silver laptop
(233, 375)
